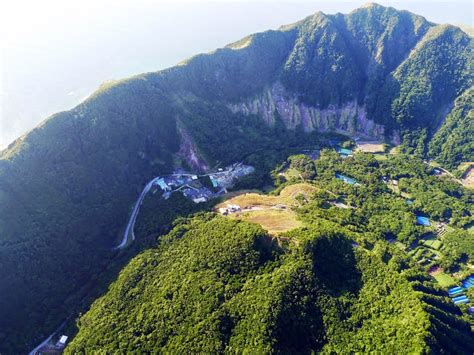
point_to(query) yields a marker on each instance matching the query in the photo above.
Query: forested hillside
(66, 188)
(215, 285)
(453, 142)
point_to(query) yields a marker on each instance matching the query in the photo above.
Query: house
(214, 181)
(346, 179)
(223, 211)
(162, 184)
(422, 220)
(199, 199)
(233, 208)
(344, 152)
(62, 341)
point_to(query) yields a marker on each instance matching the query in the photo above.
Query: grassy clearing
(433, 244)
(468, 179)
(292, 173)
(371, 147)
(274, 221)
(286, 197)
(380, 157)
(444, 279)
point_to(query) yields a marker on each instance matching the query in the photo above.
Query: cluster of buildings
(457, 293)
(344, 152)
(230, 208)
(188, 184)
(225, 178)
(193, 186)
(199, 194)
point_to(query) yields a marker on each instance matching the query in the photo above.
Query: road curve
(131, 222)
(126, 237)
(47, 340)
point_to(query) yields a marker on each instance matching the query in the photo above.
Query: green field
(433, 244)
(444, 280)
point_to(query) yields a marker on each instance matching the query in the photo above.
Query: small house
(223, 211)
(162, 184)
(233, 208)
(62, 341)
(422, 220)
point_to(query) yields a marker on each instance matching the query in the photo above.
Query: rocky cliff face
(188, 150)
(349, 118)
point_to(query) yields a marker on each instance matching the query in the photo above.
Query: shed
(422, 220)
(62, 341)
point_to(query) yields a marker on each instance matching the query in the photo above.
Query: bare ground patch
(273, 213)
(371, 147)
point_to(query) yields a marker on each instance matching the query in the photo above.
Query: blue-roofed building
(163, 185)
(459, 298)
(344, 151)
(214, 181)
(409, 202)
(422, 220)
(346, 179)
(468, 282)
(455, 291)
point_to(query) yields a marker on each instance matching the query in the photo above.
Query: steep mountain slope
(453, 142)
(66, 187)
(217, 285)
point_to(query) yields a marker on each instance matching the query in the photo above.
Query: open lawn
(468, 179)
(444, 279)
(433, 244)
(286, 197)
(371, 147)
(292, 173)
(274, 221)
(273, 213)
(380, 157)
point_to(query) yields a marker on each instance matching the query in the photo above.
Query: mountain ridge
(66, 186)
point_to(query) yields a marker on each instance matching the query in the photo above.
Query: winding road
(129, 235)
(47, 340)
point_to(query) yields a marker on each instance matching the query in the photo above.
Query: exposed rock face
(349, 118)
(189, 152)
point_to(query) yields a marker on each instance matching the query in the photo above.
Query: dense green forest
(67, 187)
(214, 285)
(453, 142)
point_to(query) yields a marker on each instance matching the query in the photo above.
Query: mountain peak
(371, 5)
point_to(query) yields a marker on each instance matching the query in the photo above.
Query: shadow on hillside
(335, 265)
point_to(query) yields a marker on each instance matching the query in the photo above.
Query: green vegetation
(216, 285)
(453, 143)
(444, 280)
(67, 187)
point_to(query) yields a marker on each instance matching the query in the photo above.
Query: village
(276, 215)
(202, 188)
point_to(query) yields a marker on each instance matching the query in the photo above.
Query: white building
(62, 341)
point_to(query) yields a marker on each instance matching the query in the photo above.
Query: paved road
(47, 340)
(129, 235)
